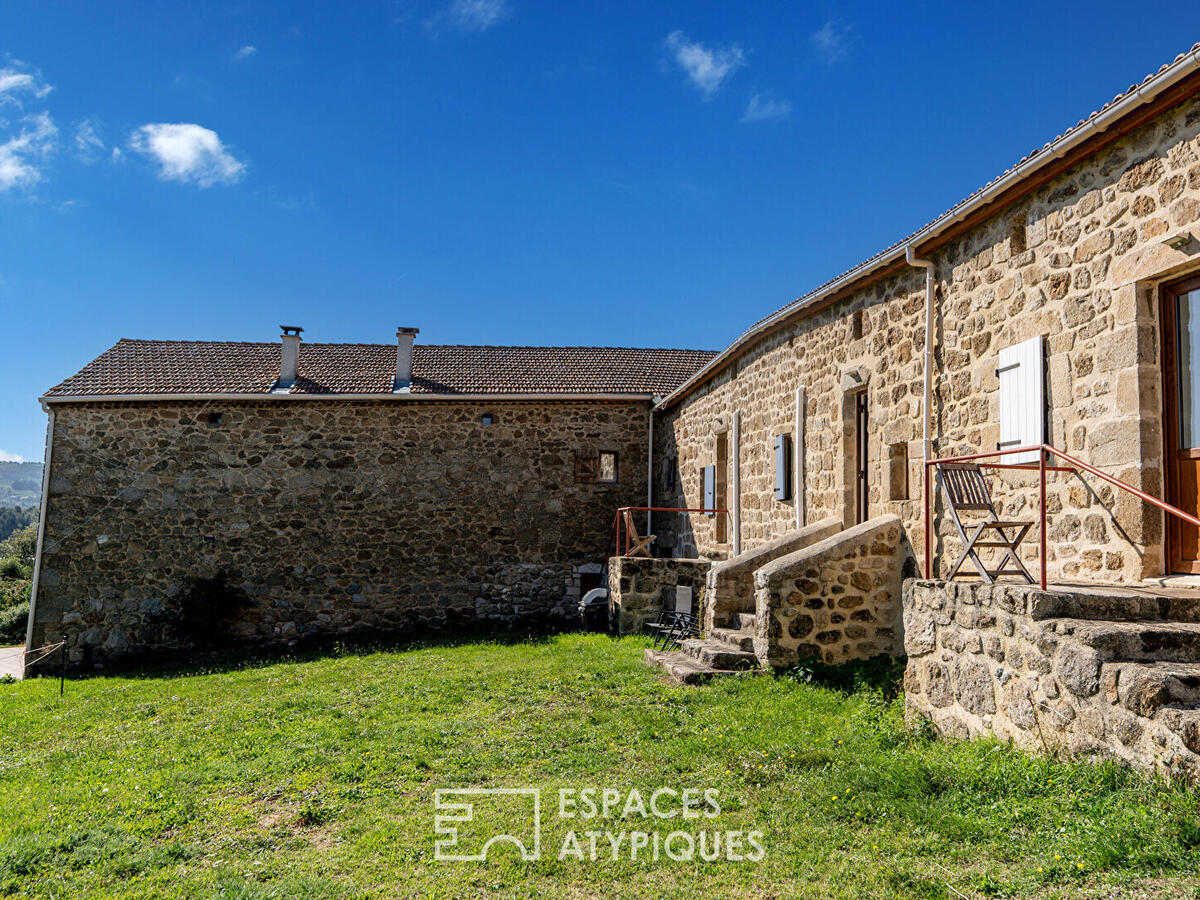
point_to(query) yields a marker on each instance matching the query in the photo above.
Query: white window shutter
(1022, 399)
(708, 477)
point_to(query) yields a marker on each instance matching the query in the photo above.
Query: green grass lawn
(314, 777)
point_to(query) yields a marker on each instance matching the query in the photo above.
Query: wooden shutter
(708, 483)
(783, 465)
(1022, 399)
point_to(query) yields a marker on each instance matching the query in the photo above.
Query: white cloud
(188, 153)
(831, 41)
(21, 156)
(478, 15)
(5, 456)
(246, 52)
(14, 83)
(760, 110)
(706, 68)
(88, 144)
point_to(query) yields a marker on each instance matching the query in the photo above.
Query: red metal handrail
(1042, 469)
(618, 520)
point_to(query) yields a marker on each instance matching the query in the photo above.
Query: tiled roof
(213, 367)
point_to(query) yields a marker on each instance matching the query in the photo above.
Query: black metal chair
(672, 628)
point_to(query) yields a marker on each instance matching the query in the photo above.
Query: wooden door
(861, 484)
(1181, 399)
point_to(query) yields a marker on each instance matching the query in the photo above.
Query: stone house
(336, 488)
(1058, 305)
(1079, 261)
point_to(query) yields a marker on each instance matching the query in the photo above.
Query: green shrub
(13, 591)
(12, 623)
(11, 567)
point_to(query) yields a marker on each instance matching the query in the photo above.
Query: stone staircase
(724, 651)
(1093, 671)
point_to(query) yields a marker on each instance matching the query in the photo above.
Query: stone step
(1116, 605)
(685, 669)
(1144, 688)
(738, 640)
(718, 655)
(745, 622)
(1142, 641)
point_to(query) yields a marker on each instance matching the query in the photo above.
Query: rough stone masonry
(331, 517)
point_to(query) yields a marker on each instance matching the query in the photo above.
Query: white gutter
(927, 401)
(41, 532)
(48, 399)
(1150, 88)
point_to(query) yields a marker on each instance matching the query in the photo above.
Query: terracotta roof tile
(210, 367)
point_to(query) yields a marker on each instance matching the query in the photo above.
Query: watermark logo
(457, 807)
(598, 824)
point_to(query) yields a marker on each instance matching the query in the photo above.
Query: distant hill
(20, 483)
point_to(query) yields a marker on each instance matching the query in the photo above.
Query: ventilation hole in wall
(211, 419)
(1016, 236)
(897, 471)
(856, 325)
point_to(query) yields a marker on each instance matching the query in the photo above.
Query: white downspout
(650, 470)
(798, 459)
(927, 401)
(41, 533)
(737, 483)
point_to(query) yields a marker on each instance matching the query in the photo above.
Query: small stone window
(1016, 236)
(606, 467)
(487, 419)
(856, 325)
(598, 469)
(897, 471)
(212, 418)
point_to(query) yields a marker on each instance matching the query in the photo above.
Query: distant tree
(21, 544)
(13, 518)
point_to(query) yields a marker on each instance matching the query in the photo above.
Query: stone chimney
(289, 360)
(404, 354)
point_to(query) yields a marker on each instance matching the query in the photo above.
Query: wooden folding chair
(966, 490)
(638, 546)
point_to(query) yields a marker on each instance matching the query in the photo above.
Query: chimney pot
(289, 358)
(404, 352)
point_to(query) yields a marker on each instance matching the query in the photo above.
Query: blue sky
(497, 171)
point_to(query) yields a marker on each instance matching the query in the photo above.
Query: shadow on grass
(240, 657)
(883, 674)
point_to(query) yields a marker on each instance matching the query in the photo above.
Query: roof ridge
(419, 346)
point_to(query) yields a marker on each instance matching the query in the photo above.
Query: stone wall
(639, 588)
(332, 517)
(836, 601)
(730, 584)
(1078, 260)
(1085, 675)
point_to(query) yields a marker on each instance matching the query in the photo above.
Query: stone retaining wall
(730, 583)
(835, 601)
(639, 588)
(330, 517)
(1019, 664)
